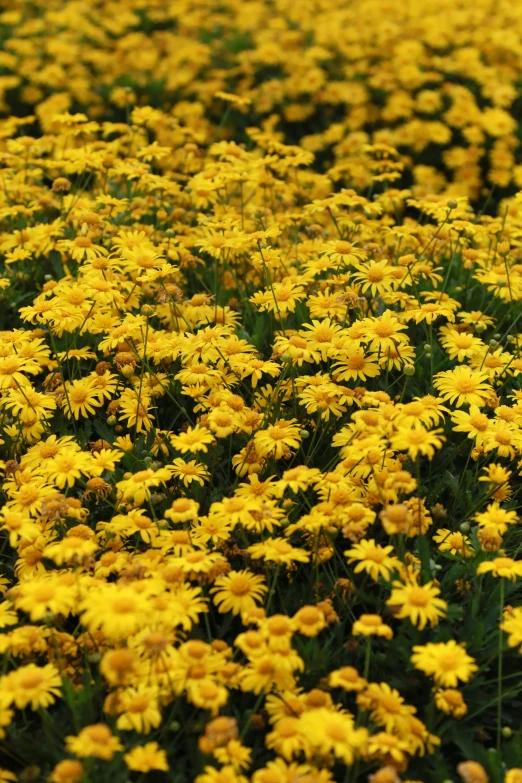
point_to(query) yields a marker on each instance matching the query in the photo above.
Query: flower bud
(409, 370)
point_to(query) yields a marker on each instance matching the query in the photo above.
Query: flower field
(260, 391)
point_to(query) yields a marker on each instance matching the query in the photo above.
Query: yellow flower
(67, 771)
(446, 662)
(340, 250)
(279, 298)
(193, 439)
(136, 487)
(384, 332)
(80, 398)
(32, 685)
(472, 772)
(460, 345)
(371, 625)
(463, 386)
(235, 754)
(277, 439)
(504, 567)
(377, 277)
(451, 702)
(388, 746)
(419, 603)
(497, 122)
(38, 597)
(327, 731)
(118, 611)
(374, 559)
(139, 709)
(512, 625)
(309, 621)
(453, 541)
(503, 438)
(95, 740)
(346, 678)
(238, 591)
(145, 758)
(188, 472)
(386, 705)
(354, 363)
(417, 441)
(496, 518)
(278, 550)
(474, 423)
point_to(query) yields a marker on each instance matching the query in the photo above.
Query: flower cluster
(260, 393)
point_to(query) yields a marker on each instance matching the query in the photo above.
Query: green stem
(367, 657)
(272, 588)
(499, 678)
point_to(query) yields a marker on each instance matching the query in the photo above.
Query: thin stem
(499, 678)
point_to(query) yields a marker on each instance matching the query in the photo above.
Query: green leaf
(103, 431)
